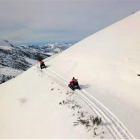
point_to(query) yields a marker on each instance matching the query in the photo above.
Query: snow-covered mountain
(5, 43)
(107, 64)
(20, 58)
(39, 104)
(48, 49)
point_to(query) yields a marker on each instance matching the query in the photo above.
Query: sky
(66, 21)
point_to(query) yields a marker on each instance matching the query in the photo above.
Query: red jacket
(41, 61)
(73, 79)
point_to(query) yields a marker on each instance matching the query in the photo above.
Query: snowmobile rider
(74, 81)
(42, 65)
(74, 84)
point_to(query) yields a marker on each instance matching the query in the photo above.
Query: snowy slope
(7, 73)
(6, 44)
(6, 47)
(30, 108)
(23, 57)
(20, 58)
(14, 57)
(13, 61)
(107, 64)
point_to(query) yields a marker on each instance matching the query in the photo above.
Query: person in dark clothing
(73, 79)
(75, 82)
(42, 65)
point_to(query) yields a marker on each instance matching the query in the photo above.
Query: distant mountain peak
(6, 43)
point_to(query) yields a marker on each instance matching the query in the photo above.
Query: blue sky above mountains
(37, 22)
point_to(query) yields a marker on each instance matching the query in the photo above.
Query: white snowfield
(6, 47)
(106, 65)
(29, 108)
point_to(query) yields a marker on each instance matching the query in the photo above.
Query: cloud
(31, 21)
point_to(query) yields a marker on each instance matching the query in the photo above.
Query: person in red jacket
(42, 65)
(74, 84)
(73, 79)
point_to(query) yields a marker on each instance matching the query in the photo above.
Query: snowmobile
(74, 85)
(42, 65)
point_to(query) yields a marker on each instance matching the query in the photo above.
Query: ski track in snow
(116, 128)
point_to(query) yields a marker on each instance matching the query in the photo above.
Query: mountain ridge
(106, 65)
(20, 58)
(108, 62)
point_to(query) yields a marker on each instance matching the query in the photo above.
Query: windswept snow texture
(107, 64)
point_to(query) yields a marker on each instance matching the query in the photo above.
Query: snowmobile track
(116, 128)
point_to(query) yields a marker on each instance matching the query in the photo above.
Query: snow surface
(6, 47)
(23, 57)
(30, 108)
(31, 61)
(106, 65)
(7, 73)
(50, 54)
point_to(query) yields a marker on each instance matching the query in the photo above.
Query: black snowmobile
(74, 85)
(42, 65)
